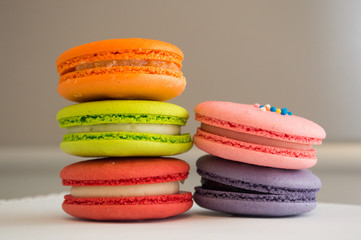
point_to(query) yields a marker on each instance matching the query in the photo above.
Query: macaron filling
(244, 137)
(167, 129)
(99, 71)
(125, 62)
(165, 188)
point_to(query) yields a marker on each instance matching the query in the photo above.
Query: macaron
(252, 134)
(131, 68)
(117, 128)
(126, 188)
(239, 188)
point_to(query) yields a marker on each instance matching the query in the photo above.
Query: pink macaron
(259, 135)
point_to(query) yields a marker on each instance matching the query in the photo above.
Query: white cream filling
(165, 188)
(167, 129)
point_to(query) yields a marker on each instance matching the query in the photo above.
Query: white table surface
(42, 218)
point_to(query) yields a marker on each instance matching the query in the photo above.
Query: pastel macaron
(131, 68)
(254, 135)
(126, 188)
(117, 128)
(239, 188)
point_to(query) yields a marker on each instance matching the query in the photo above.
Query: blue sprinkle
(290, 113)
(284, 111)
(261, 106)
(273, 109)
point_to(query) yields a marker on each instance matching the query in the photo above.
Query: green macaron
(117, 128)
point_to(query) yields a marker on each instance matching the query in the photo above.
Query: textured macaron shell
(126, 85)
(268, 179)
(118, 45)
(124, 171)
(116, 111)
(128, 208)
(112, 144)
(247, 204)
(250, 119)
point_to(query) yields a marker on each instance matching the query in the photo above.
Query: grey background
(304, 55)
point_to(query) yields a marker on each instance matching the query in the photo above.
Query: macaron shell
(123, 148)
(122, 107)
(252, 157)
(112, 45)
(273, 180)
(251, 116)
(124, 169)
(144, 209)
(251, 207)
(122, 86)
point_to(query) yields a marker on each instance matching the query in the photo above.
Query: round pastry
(260, 135)
(126, 188)
(121, 69)
(239, 188)
(117, 128)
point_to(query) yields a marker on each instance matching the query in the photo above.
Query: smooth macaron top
(250, 119)
(122, 111)
(246, 173)
(133, 48)
(124, 171)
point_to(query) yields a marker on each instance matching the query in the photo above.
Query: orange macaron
(121, 69)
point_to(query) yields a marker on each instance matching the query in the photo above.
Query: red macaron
(126, 188)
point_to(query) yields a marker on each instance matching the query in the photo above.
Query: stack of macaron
(120, 86)
(259, 159)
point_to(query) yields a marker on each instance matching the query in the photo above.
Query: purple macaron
(238, 188)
